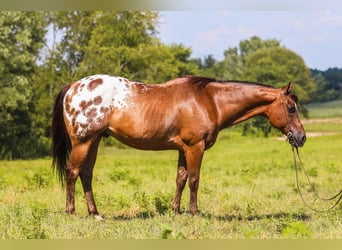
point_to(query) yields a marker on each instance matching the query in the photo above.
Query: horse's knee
(86, 180)
(193, 183)
(182, 175)
(71, 173)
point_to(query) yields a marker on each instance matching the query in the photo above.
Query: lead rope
(294, 146)
(339, 194)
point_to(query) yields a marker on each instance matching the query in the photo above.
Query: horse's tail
(61, 145)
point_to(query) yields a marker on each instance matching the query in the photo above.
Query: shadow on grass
(141, 215)
(281, 215)
(300, 216)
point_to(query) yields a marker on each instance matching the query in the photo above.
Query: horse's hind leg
(72, 172)
(182, 176)
(81, 163)
(86, 176)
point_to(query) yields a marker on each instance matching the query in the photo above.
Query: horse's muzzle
(296, 139)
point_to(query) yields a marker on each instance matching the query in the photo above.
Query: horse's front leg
(182, 176)
(194, 155)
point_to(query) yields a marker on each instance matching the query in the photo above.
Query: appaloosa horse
(184, 114)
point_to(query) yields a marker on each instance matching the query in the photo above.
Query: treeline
(328, 84)
(42, 51)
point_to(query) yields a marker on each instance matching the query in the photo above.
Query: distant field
(247, 190)
(325, 110)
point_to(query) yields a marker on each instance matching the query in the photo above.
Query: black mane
(203, 81)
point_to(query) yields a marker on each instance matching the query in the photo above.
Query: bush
(162, 202)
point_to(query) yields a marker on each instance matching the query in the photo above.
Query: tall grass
(247, 190)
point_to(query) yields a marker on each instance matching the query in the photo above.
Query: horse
(183, 114)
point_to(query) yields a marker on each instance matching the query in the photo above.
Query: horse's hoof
(98, 217)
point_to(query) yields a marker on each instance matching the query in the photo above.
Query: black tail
(61, 145)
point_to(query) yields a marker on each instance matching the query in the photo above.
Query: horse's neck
(239, 102)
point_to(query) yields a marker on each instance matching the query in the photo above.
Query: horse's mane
(203, 81)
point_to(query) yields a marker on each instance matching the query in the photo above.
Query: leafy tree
(21, 37)
(133, 51)
(209, 62)
(334, 77)
(66, 53)
(324, 90)
(115, 44)
(329, 84)
(248, 47)
(234, 63)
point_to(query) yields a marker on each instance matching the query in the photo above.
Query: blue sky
(315, 35)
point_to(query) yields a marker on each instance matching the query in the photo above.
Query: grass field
(247, 190)
(331, 109)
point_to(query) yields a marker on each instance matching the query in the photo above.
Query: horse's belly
(142, 129)
(140, 136)
(144, 142)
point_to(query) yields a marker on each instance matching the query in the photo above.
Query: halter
(289, 134)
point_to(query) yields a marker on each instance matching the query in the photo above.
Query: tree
(329, 84)
(21, 37)
(334, 77)
(133, 51)
(116, 42)
(234, 63)
(324, 90)
(248, 47)
(72, 31)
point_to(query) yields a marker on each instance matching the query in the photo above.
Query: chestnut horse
(184, 114)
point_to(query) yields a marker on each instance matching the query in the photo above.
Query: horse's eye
(292, 109)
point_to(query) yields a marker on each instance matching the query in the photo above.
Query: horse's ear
(288, 88)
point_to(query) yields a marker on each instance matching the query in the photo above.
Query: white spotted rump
(89, 100)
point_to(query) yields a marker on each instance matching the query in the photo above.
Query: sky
(315, 35)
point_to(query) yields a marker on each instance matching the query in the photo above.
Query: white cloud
(309, 21)
(315, 35)
(212, 37)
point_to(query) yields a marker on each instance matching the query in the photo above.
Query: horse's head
(283, 114)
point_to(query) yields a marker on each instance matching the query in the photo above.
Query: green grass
(247, 190)
(330, 109)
